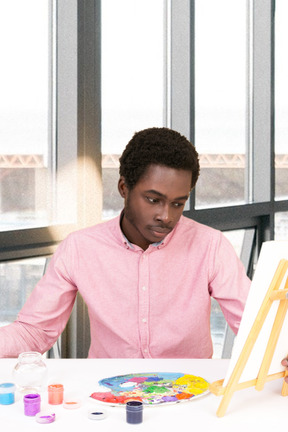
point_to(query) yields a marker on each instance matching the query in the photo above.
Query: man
(146, 275)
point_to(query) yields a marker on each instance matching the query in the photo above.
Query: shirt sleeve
(229, 284)
(46, 312)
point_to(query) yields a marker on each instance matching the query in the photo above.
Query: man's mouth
(157, 230)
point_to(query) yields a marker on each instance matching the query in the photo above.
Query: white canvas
(271, 254)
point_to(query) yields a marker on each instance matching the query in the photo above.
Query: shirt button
(144, 288)
(144, 320)
(145, 350)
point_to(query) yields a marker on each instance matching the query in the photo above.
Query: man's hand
(284, 363)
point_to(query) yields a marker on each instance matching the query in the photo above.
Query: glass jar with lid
(30, 372)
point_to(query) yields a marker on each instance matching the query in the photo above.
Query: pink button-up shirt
(153, 303)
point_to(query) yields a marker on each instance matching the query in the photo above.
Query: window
(281, 103)
(17, 280)
(132, 35)
(281, 226)
(50, 139)
(24, 122)
(220, 101)
(157, 68)
(46, 177)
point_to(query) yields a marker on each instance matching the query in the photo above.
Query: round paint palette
(151, 388)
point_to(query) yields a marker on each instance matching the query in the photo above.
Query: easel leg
(284, 391)
(224, 403)
(272, 342)
(232, 385)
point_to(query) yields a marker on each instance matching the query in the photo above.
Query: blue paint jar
(134, 412)
(7, 393)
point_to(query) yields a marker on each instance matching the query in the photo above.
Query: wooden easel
(273, 294)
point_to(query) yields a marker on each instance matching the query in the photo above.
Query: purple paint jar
(32, 403)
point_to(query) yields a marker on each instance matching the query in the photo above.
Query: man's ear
(122, 187)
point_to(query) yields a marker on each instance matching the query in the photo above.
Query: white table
(248, 408)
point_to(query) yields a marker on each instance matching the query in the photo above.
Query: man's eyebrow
(155, 192)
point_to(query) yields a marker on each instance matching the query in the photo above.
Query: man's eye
(176, 204)
(152, 200)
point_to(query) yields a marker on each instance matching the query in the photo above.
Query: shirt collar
(130, 245)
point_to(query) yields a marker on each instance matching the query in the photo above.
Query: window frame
(259, 211)
(83, 25)
(77, 100)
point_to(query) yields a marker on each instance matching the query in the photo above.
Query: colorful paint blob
(151, 388)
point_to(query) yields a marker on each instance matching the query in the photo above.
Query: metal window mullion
(52, 122)
(261, 142)
(248, 250)
(90, 191)
(180, 81)
(75, 341)
(180, 61)
(66, 110)
(167, 64)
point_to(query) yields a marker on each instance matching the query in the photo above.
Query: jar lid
(44, 418)
(97, 414)
(30, 354)
(32, 398)
(71, 404)
(55, 387)
(7, 388)
(134, 406)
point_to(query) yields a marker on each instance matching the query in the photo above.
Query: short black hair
(159, 146)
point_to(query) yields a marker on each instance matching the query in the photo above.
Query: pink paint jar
(55, 394)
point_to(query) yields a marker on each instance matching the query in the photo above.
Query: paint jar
(55, 394)
(32, 404)
(97, 415)
(134, 412)
(30, 372)
(7, 393)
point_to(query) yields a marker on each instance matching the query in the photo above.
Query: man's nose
(165, 214)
